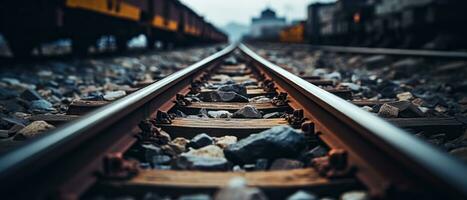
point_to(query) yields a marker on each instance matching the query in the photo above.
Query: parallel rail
(386, 159)
(379, 51)
(384, 151)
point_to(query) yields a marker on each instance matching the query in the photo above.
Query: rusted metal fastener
(269, 86)
(338, 159)
(205, 77)
(152, 134)
(196, 86)
(163, 118)
(180, 100)
(296, 119)
(261, 77)
(333, 165)
(308, 129)
(280, 99)
(116, 167)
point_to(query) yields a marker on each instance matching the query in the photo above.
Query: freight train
(28, 23)
(435, 24)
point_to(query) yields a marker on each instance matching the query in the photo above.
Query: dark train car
(293, 34)
(436, 24)
(85, 21)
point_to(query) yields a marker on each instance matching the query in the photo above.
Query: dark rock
(237, 88)
(277, 142)
(318, 151)
(302, 195)
(273, 115)
(284, 164)
(186, 162)
(262, 164)
(41, 106)
(30, 95)
(7, 94)
(389, 91)
(200, 140)
(249, 112)
(11, 106)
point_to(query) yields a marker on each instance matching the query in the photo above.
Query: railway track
(309, 140)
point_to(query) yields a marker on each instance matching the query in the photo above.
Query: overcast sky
(221, 12)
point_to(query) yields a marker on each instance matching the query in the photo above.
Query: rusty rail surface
(387, 159)
(377, 51)
(69, 157)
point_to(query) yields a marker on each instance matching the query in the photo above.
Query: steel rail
(45, 162)
(386, 157)
(381, 51)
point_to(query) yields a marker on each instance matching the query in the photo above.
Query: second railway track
(137, 146)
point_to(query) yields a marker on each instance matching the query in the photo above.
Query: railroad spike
(334, 165)
(181, 101)
(116, 167)
(296, 119)
(196, 86)
(280, 99)
(163, 118)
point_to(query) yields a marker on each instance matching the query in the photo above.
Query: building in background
(267, 26)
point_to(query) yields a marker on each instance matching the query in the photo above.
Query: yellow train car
(293, 34)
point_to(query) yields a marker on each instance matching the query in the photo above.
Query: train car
(293, 34)
(85, 21)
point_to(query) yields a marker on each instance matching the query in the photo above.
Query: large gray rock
(249, 112)
(277, 142)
